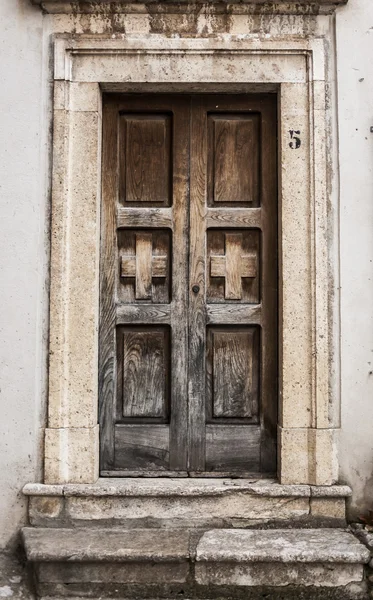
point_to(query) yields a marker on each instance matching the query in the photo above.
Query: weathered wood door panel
(188, 290)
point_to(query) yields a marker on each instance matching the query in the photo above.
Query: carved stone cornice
(311, 7)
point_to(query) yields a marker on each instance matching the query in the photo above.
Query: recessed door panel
(145, 159)
(233, 164)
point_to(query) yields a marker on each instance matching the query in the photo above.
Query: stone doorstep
(233, 559)
(138, 487)
(204, 503)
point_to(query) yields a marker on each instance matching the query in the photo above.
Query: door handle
(195, 289)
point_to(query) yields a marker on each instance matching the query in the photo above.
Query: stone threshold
(148, 487)
(186, 503)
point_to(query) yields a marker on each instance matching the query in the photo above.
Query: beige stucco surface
(24, 235)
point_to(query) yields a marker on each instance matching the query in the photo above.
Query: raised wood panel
(142, 447)
(137, 217)
(143, 372)
(233, 160)
(233, 314)
(233, 259)
(145, 266)
(141, 314)
(232, 448)
(145, 159)
(239, 217)
(233, 369)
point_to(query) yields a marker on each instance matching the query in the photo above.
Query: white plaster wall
(23, 250)
(354, 26)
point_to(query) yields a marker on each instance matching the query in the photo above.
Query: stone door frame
(84, 67)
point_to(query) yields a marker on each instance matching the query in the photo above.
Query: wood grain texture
(145, 159)
(233, 314)
(108, 257)
(179, 315)
(269, 247)
(145, 247)
(235, 373)
(199, 261)
(257, 232)
(142, 314)
(234, 258)
(143, 372)
(197, 303)
(233, 448)
(144, 253)
(137, 217)
(143, 447)
(234, 159)
(235, 218)
(145, 265)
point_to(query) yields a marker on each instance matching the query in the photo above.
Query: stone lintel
(310, 7)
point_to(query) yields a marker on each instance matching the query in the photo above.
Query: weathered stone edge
(230, 546)
(156, 488)
(90, 545)
(84, 6)
(332, 491)
(106, 545)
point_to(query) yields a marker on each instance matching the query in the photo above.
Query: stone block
(294, 456)
(308, 456)
(106, 545)
(330, 491)
(281, 546)
(232, 69)
(230, 509)
(328, 508)
(317, 558)
(84, 97)
(181, 487)
(296, 325)
(74, 289)
(325, 467)
(267, 574)
(44, 508)
(71, 455)
(111, 572)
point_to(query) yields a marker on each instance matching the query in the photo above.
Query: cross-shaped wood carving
(144, 266)
(233, 266)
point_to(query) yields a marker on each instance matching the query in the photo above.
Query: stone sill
(185, 487)
(311, 7)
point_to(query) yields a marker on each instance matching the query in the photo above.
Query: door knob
(195, 289)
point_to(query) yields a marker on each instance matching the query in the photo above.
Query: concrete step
(203, 503)
(154, 563)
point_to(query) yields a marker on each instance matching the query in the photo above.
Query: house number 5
(295, 140)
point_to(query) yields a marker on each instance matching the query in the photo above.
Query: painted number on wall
(295, 142)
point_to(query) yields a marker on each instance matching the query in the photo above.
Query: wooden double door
(188, 289)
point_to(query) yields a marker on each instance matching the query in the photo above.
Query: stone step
(153, 563)
(205, 503)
